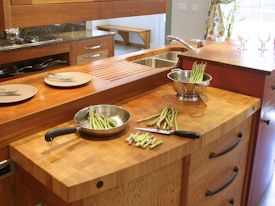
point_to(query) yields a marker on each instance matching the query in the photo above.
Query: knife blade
(180, 133)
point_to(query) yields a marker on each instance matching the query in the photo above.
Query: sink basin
(155, 62)
(172, 56)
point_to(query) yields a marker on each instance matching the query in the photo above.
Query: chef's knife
(180, 133)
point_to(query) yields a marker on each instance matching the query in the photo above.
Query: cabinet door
(265, 149)
(87, 51)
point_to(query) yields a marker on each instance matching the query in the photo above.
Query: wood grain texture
(113, 80)
(229, 55)
(87, 161)
(252, 75)
(45, 14)
(97, 48)
(209, 174)
(34, 52)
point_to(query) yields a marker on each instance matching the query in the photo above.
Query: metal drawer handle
(215, 155)
(91, 56)
(235, 173)
(93, 47)
(231, 202)
(267, 121)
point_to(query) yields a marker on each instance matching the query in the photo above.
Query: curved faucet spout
(181, 41)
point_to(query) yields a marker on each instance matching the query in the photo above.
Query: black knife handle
(187, 134)
(51, 134)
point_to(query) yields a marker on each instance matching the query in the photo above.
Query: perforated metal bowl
(187, 91)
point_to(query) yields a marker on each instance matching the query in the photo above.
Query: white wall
(189, 18)
(156, 23)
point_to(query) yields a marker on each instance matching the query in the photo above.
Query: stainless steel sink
(171, 56)
(155, 62)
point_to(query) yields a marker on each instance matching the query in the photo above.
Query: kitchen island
(251, 73)
(77, 171)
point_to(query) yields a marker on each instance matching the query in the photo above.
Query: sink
(155, 62)
(172, 56)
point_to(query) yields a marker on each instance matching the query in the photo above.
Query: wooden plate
(22, 92)
(74, 79)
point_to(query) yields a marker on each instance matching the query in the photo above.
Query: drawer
(223, 174)
(90, 57)
(92, 45)
(269, 90)
(232, 140)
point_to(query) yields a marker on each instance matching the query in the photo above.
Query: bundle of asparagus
(197, 73)
(99, 121)
(144, 140)
(166, 119)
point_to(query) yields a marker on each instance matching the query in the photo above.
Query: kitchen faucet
(181, 41)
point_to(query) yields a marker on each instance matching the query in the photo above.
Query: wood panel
(78, 12)
(252, 75)
(5, 14)
(87, 161)
(114, 79)
(86, 51)
(20, 2)
(34, 52)
(209, 174)
(7, 191)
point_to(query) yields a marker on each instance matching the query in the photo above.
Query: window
(255, 16)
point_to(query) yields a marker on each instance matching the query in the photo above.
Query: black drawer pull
(267, 121)
(235, 173)
(231, 202)
(215, 155)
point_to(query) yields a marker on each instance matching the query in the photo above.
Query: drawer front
(269, 90)
(93, 45)
(220, 166)
(90, 57)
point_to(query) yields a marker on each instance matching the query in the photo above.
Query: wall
(154, 22)
(189, 18)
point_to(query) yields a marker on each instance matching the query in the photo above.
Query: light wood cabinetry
(251, 75)
(217, 171)
(29, 13)
(87, 51)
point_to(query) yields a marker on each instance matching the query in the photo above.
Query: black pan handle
(51, 134)
(187, 134)
(235, 173)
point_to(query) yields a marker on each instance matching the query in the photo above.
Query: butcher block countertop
(113, 79)
(72, 166)
(228, 53)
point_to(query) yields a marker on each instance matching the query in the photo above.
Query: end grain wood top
(227, 53)
(72, 166)
(113, 79)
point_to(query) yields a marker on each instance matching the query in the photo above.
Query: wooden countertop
(73, 164)
(113, 79)
(228, 53)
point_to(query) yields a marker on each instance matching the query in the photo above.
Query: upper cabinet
(29, 13)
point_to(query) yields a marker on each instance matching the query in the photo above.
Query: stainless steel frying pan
(117, 114)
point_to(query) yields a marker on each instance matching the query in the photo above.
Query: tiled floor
(121, 49)
(268, 198)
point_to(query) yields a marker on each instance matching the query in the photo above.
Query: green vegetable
(197, 73)
(166, 119)
(143, 140)
(156, 144)
(99, 121)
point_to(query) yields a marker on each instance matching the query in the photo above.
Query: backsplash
(47, 30)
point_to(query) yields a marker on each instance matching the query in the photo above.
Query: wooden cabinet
(29, 13)
(228, 73)
(217, 172)
(86, 51)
